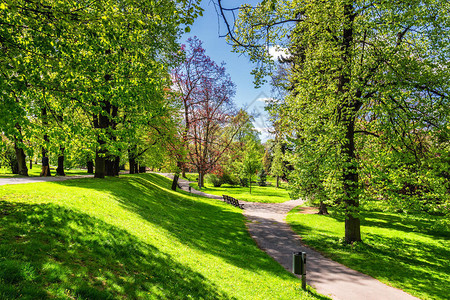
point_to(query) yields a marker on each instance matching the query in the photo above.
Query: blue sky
(207, 29)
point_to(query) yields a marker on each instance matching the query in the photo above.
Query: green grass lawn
(263, 194)
(130, 237)
(409, 252)
(36, 171)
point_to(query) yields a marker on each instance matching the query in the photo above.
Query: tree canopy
(367, 102)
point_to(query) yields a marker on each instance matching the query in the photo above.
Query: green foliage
(262, 176)
(267, 160)
(366, 102)
(8, 156)
(407, 251)
(213, 179)
(227, 178)
(92, 73)
(117, 237)
(251, 164)
(277, 168)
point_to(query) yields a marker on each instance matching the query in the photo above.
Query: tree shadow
(50, 252)
(214, 228)
(417, 223)
(414, 264)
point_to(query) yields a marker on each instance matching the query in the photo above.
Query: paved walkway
(273, 235)
(20, 180)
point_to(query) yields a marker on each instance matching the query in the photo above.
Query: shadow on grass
(419, 265)
(215, 229)
(49, 252)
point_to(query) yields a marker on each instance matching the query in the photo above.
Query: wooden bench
(232, 201)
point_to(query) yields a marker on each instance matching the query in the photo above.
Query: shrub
(213, 179)
(226, 178)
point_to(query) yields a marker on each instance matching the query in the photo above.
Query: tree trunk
(31, 164)
(175, 181)
(323, 208)
(278, 181)
(200, 179)
(99, 164)
(351, 201)
(347, 115)
(132, 163)
(90, 166)
(250, 184)
(110, 166)
(117, 166)
(20, 155)
(60, 169)
(101, 122)
(132, 158)
(46, 139)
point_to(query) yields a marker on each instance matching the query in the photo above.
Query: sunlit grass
(406, 251)
(263, 194)
(130, 237)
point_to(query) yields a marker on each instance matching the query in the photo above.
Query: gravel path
(21, 180)
(268, 228)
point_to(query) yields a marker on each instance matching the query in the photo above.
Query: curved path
(20, 180)
(273, 235)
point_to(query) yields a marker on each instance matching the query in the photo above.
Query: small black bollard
(299, 266)
(189, 189)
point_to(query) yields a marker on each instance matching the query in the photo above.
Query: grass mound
(406, 251)
(130, 237)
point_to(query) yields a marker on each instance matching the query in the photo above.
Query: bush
(226, 178)
(8, 159)
(213, 179)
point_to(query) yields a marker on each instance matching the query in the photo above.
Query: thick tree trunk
(175, 181)
(90, 166)
(31, 164)
(347, 114)
(60, 169)
(278, 181)
(132, 163)
(112, 166)
(352, 222)
(132, 159)
(99, 164)
(117, 166)
(323, 208)
(20, 156)
(14, 165)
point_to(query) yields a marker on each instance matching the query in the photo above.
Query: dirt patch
(308, 210)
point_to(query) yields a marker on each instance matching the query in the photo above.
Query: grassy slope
(399, 250)
(104, 239)
(264, 194)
